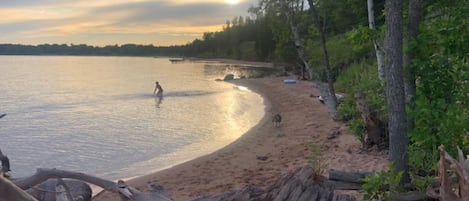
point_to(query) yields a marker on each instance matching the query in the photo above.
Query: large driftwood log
(120, 187)
(347, 180)
(46, 191)
(13, 189)
(63, 192)
(300, 185)
(10, 192)
(351, 177)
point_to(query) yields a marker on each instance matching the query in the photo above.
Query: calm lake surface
(98, 115)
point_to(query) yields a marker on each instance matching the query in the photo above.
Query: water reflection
(239, 71)
(158, 101)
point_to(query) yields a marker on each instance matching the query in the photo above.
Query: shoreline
(305, 123)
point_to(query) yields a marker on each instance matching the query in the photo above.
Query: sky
(111, 22)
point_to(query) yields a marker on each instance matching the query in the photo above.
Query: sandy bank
(305, 122)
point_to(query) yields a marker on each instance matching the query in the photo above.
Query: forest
(403, 65)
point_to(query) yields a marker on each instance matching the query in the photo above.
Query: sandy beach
(304, 133)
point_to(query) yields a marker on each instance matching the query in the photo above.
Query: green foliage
(347, 109)
(441, 110)
(360, 77)
(363, 77)
(357, 127)
(342, 53)
(382, 185)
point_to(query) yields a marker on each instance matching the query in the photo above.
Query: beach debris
(47, 185)
(262, 158)
(62, 191)
(297, 185)
(228, 77)
(452, 190)
(48, 190)
(2, 115)
(322, 99)
(333, 134)
(245, 194)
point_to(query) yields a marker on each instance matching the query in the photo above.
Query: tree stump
(375, 128)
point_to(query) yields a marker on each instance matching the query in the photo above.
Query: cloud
(102, 20)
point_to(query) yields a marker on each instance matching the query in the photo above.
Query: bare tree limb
(10, 192)
(123, 189)
(42, 175)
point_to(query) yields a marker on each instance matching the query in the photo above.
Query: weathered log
(341, 185)
(46, 191)
(461, 167)
(123, 189)
(303, 185)
(10, 192)
(299, 185)
(351, 177)
(42, 175)
(62, 191)
(247, 193)
(2, 115)
(411, 196)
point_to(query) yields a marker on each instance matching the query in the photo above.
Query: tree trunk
(332, 107)
(415, 12)
(331, 100)
(11, 192)
(375, 128)
(398, 139)
(378, 49)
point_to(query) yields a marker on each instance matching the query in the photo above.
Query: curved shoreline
(305, 122)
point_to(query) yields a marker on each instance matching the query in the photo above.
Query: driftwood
(449, 190)
(347, 180)
(300, 185)
(44, 183)
(127, 192)
(63, 192)
(11, 192)
(73, 189)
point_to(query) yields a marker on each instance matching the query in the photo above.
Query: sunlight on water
(98, 115)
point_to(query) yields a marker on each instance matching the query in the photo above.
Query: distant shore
(232, 61)
(305, 123)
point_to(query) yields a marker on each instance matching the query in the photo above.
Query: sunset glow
(232, 2)
(104, 22)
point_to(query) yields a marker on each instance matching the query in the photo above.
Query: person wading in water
(158, 90)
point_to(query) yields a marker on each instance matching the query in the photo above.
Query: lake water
(98, 115)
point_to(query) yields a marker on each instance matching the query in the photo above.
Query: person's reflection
(158, 101)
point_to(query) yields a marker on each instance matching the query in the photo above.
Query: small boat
(175, 60)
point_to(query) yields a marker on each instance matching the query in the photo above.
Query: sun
(232, 2)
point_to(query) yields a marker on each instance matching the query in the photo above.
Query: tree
(414, 15)
(378, 49)
(329, 94)
(331, 100)
(398, 139)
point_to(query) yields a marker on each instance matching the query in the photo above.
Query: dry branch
(10, 192)
(447, 189)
